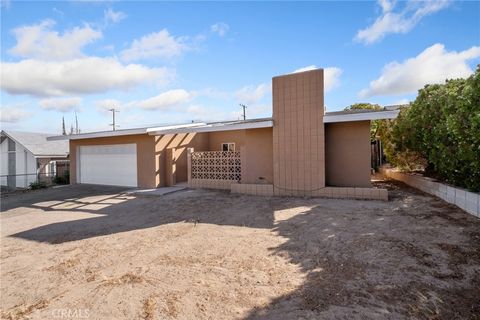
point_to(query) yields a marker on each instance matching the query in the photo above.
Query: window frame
(229, 144)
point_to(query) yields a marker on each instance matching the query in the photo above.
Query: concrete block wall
(253, 189)
(327, 192)
(210, 184)
(298, 133)
(465, 200)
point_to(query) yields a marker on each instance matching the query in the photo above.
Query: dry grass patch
(64, 266)
(22, 311)
(127, 278)
(149, 306)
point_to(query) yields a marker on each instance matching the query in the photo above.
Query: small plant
(65, 179)
(38, 185)
(59, 180)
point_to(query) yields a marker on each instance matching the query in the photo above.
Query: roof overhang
(100, 134)
(220, 126)
(43, 156)
(361, 116)
(125, 132)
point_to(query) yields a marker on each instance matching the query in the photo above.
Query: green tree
(442, 128)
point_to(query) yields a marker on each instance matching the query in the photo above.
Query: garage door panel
(109, 164)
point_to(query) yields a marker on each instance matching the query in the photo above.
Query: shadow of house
(361, 259)
(121, 213)
(370, 262)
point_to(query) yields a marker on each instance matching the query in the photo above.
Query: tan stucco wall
(145, 156)
(298, 133)
(151, 151)
(198, 141)
(258, 146)
(347, 154)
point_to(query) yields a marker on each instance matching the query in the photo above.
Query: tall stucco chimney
(298, 133)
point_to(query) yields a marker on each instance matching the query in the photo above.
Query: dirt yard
(80, 252)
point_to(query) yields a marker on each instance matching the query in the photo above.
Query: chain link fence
(33, 180)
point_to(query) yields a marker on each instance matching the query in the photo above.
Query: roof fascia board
(180, 126)
(364, 116)
(98, 134)
(213, 128)
(51, 156)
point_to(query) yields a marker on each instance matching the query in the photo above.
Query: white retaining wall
(465, 200)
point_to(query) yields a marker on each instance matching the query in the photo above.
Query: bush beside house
(439, 131)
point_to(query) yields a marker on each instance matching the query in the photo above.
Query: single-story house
(27, 157)
(300, 150)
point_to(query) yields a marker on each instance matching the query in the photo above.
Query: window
(228, 146)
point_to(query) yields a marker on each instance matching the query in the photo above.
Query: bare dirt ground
(92, 252)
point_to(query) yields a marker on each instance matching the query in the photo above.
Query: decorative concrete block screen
(214, 169)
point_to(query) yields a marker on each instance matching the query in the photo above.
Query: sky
(176, 62)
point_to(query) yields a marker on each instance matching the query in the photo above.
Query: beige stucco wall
(258, 146)
(152, 168)
(198, 141)
(151, 151)
(347, 153)
(298, 133)
(145, 156)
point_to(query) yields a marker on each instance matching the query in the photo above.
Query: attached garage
(108, 164)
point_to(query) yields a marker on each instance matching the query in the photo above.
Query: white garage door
(114, 165)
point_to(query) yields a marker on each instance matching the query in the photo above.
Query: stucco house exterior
(27, 157)
(299, 151)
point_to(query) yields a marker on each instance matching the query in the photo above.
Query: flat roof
(174, 129)
(219, 126)
(329, 117)
(359, 115)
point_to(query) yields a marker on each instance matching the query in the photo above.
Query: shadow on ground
(418, 257)
(413, 257)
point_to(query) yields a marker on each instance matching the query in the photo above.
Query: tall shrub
(442, 126)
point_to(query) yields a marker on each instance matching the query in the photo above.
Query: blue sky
(173, 62)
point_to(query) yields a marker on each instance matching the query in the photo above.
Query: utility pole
(64, 132)
(113, 118)
(244, 107)
(77, 131)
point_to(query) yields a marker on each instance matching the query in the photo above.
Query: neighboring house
(27, 157)
(299, 151)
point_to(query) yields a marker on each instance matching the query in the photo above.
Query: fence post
(189, 165)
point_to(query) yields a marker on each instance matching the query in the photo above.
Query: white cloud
(78, 76)
(110, 16)
(399, 22)
(433, 65)
(107, 104)
(13, 114)
(331, 76)
(39, 41)
(252, 94)
(401, 101)
(386, 5)
(155, 45)
(220, 28)
(165, 100)
(307, 68)
(61, 104)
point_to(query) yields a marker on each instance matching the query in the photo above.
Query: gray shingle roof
(37, 143)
